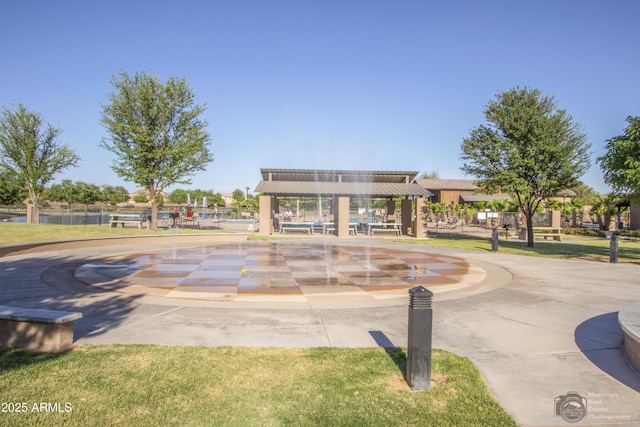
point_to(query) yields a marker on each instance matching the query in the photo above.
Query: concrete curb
(629, 321)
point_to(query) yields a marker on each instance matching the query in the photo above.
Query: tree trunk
(35, 213)
(154, 209)
(529, 217)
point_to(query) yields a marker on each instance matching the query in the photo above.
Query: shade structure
(352, 183)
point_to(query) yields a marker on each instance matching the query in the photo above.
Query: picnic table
(545, 232)
(328, 227)
(124, 219)
(305, 226)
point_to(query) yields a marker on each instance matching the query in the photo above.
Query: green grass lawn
(594, 249)
(141, 385)
(11, 232)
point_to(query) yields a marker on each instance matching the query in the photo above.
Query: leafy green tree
(141, 197)
(74, 192)
(88, 194)
(66, 192)
(435, 210)
(242, 202)
(181, 196)
(498, 206)
(114, 195)
(576, 205)
(11, 189)
(585, 193)
(238, 195)
(468, 210)
(178, 196)
(481, 205)
(430, 175)
(530, 148)
(621, 162)
(217, 199)
(198, 194)
(605, 209)
(551, 204)
(29, 151)
(156, 133)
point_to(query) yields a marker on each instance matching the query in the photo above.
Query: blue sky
(323, 84)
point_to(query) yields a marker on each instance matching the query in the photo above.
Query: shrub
(581, 231)
(629, 233)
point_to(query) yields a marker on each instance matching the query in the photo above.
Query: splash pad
(281, 271)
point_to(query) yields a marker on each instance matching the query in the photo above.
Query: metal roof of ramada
(327, 182)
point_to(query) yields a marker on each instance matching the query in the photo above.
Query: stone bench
(629, 321)
(34, 329)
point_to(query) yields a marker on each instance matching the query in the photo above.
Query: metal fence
(225, 219)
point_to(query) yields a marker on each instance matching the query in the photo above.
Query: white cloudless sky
(323, 84)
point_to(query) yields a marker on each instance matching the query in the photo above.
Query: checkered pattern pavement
(280, 271)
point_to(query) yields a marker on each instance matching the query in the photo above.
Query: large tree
(113, 195)
(156, 132)
(30, 152)
(66, 192)
(529, 148)
(621, 162)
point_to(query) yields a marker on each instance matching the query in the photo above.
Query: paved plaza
(536, 328)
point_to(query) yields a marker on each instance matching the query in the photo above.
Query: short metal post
(419, 338)
(613, 248)
(494, 240)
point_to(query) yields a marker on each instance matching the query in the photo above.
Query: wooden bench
(33, 329)
(133, 219)
(545, 232)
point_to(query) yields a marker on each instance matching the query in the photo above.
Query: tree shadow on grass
(13, 358)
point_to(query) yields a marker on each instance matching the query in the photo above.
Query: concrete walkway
(536, 328)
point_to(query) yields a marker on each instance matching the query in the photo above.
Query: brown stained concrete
(308, 270)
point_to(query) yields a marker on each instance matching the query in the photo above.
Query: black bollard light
(419, 338)
(494, 240)
(613, 248)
